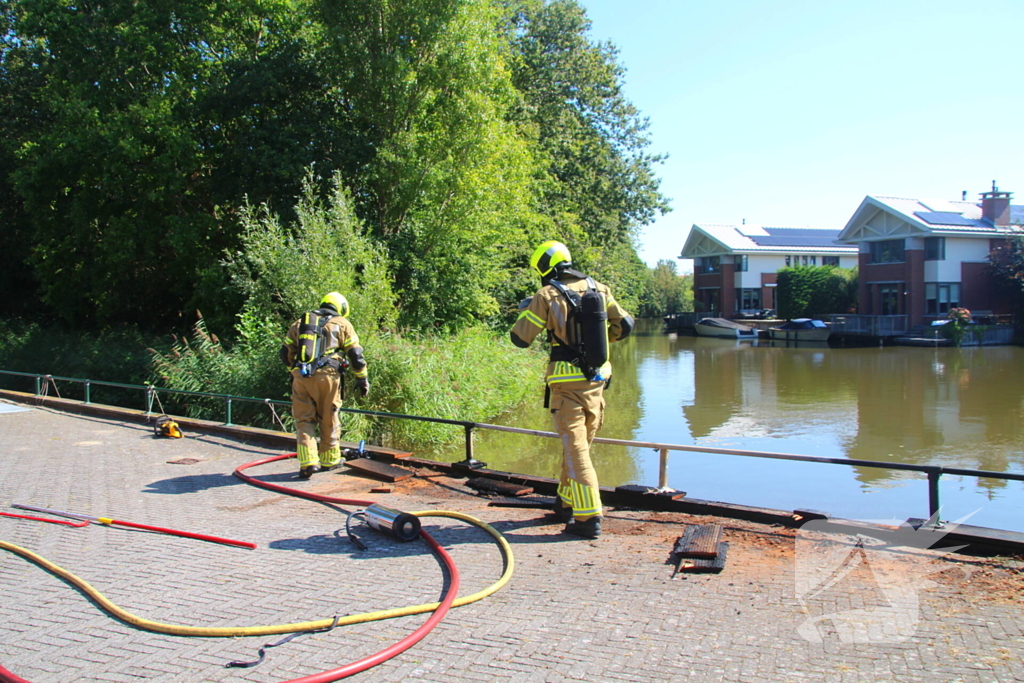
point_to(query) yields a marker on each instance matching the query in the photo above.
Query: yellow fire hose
(235, 631)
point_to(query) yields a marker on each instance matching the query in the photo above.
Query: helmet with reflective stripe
(337, 302)
(548, 255)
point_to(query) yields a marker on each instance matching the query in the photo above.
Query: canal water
(937, 406)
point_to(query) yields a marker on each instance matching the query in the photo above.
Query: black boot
(563, 513)
(308, 471)
(591, 528)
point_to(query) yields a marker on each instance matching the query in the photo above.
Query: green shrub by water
(472, 375)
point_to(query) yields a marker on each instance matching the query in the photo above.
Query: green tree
(597, 185)
(667, 291)
(1006, 268)
(449, 185)
(20, 117)
(157, 118)
(594, 142)
(466, 130)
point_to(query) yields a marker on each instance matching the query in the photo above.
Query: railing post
(663, 470)
(933, 493)
(150, 393)
(228, 402)
(39, 387)
(87, 395)
(470, 463)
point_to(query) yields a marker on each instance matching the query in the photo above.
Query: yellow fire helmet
(337, 301)
(548, 255)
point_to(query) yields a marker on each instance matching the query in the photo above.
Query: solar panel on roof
(778, 241)
(945, 218)
(802, 232)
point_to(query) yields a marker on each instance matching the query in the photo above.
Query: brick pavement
(605, 610)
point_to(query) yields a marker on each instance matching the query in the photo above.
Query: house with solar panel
(918, 258)
(735, 266)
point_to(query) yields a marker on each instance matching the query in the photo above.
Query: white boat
(720, 327)
(800, 329)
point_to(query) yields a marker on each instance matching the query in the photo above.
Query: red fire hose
(354, 667)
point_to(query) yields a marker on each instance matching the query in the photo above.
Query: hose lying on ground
(439, 608)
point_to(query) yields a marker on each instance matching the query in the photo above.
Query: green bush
(472, 375)
(815, 291)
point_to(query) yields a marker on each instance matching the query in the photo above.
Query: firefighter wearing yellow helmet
(317, 350)
(580, 316)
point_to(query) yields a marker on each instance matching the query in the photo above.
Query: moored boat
(720, 327)
(800, 329)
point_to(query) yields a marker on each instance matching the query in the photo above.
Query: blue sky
(789, 112)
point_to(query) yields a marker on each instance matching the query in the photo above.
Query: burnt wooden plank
(502, 487)
(379, 470)
(698, 565)
(699, 541)
(545, 502)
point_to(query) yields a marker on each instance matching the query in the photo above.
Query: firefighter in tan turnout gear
(318, 349)
(580, 316)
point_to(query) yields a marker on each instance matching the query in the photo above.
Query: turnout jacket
(339, 338)
(549, 310)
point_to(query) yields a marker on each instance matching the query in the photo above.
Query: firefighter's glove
(363, 385)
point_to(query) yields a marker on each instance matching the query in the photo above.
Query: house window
(890, 298)
(711, 264)
(748, 299)
(788, 258)
(741, 263)
(830, 261)
(934, 248)
(814, 260)
(805, 259)
(887, 251)
(939, 297)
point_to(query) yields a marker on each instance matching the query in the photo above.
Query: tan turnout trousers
(315, 401)
(578, 412)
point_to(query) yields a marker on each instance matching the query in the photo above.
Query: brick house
(734, 266)
(919, 257)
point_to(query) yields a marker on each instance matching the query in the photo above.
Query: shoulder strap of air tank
(572, 297)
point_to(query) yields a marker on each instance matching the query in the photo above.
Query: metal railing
(869, 325)
(933, 472)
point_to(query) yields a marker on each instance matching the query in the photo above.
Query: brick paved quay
(605, 610)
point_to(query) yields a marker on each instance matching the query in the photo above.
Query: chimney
(995, 206)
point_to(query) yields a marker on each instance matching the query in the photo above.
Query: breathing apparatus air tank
(401, 525)
(593, 319)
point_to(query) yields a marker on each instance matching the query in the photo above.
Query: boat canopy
(803, 324)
